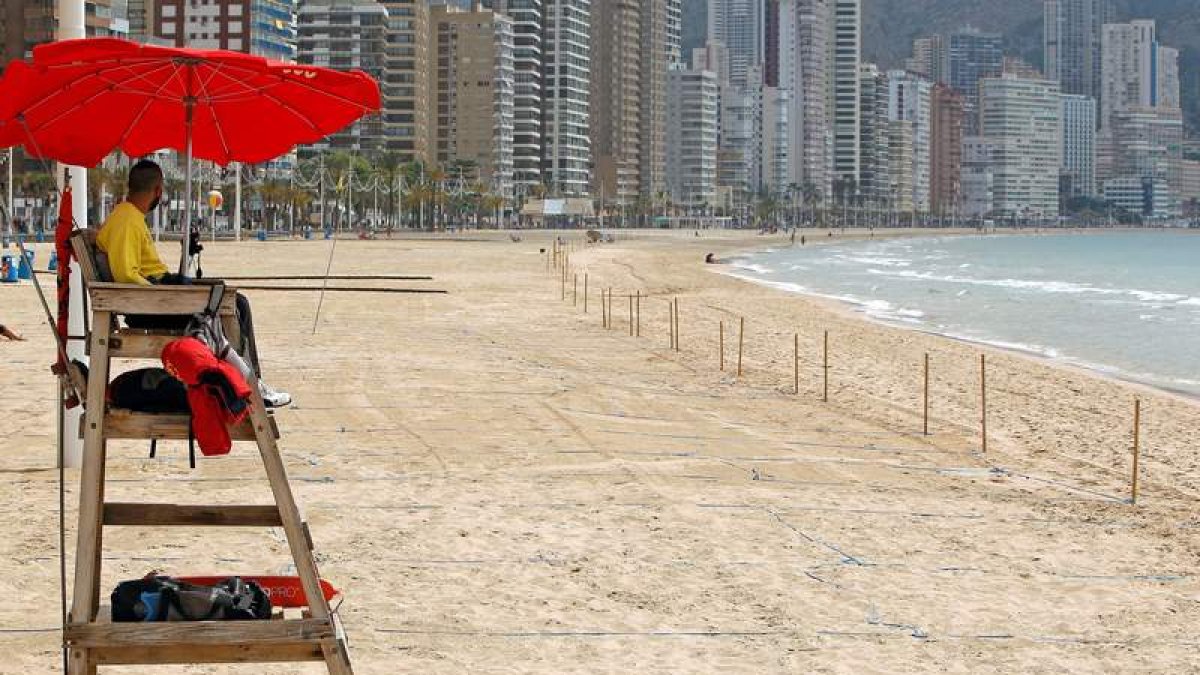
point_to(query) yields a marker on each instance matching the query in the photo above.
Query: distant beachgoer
(793, 236)
(9, 334)
(802, 240)
(711, 259)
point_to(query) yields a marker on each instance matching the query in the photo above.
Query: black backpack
(150, 390)
(160, 598)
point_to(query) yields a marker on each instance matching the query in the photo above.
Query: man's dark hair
(144, 176)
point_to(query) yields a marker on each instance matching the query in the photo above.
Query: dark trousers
(248, 347)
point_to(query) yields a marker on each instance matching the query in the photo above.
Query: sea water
(1127, 304)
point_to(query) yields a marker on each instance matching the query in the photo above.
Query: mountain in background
(890, 26)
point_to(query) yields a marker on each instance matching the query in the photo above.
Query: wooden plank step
(203, 641)
(117, 513)
(127, 424)
(198, 633)
(179, 655)
(132, 343)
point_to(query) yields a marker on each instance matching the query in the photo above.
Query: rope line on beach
(583, 633)
(857, 375)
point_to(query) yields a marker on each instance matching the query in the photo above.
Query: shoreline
(856, 309)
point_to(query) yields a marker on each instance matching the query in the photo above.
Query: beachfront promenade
(501, 485)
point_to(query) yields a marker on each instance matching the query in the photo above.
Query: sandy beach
(498, 484)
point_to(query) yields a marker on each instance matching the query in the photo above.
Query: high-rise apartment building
(527, 18)
(1137, 71)
(977, 176)
(1021, 118)
(971, 56)
(344, 35)
(900, 166)
(1148, 147)
(847, 58)
(405, 88)
(771, 54)
(1078, 146)
(804, 68)
(693, 133)
(776, 173)
(616, 107)
(741, 26)
(27, 23)
(659, 48)
(909, 100)
(946, 148)
(737, 166)
(874, 136)
(264, 28)
(566, 89)
(471, 120)
(1073, 31)
(928, 58)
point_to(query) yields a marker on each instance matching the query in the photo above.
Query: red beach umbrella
(78, 100)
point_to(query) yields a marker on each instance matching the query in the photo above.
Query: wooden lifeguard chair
(90, 638)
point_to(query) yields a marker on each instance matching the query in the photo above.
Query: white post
(70, 26)
(237, 202)
(9, 202)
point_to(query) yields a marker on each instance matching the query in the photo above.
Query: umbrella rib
(213, 114)
(141, 113)
(91, 98)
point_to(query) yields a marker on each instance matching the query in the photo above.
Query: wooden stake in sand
(575, 290)
(670, 324)
(609, 306)
(721, 343)
(926, 395)
(825, 368)
(1137, 446)
(585, 292)
(983, 399)
(741, 342)
(638, 312)
(676, 324)
(631, 315)
(796, 363)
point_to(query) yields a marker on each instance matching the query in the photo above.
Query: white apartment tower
(909, 101)
(526, 18)
(566, 87)
(1079, 145)
(1021, 119)
(1137, 71)
(693, 108)
(847, 58)
(776, 174)
(804, 57)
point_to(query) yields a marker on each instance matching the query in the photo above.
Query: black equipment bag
(161, 598)
(150, 390)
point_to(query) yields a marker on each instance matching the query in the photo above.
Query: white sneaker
(272, 398)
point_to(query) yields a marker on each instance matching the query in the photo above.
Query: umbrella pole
(187, 191)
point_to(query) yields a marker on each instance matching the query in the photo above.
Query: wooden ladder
(90, 638)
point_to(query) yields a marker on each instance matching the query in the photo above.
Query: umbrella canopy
(78, 100)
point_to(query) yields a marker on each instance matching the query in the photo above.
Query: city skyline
(574, 98)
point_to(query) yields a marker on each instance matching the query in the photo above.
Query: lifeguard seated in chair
(124, 243)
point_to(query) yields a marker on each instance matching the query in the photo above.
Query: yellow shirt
(131, 253)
